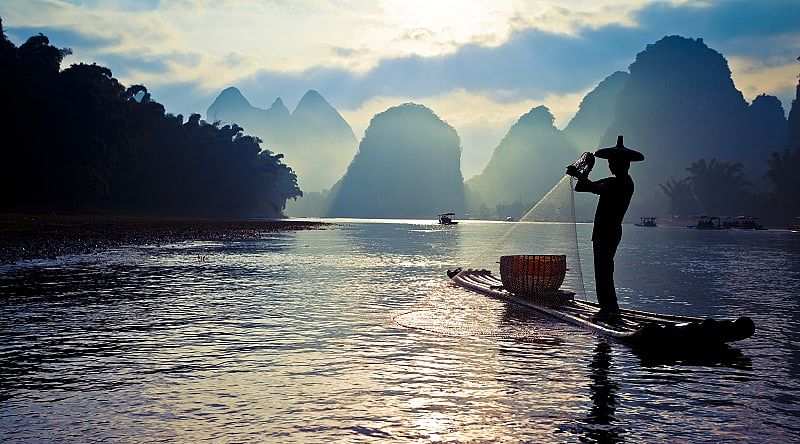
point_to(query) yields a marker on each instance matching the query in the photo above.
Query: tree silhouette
(79, 140)
(784, 174)
(681, 198)
(719, 187)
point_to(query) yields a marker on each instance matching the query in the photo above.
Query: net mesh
(548, 228)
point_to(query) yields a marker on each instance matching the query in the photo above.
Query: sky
(479, 65)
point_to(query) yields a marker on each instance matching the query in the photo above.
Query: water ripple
(353, 334)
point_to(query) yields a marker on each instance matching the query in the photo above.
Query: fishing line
(575, 232)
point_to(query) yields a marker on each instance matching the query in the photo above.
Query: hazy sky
(478, 64)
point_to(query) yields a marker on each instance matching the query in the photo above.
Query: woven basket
(533, 275)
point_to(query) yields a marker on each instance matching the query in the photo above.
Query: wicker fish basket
(533, 275)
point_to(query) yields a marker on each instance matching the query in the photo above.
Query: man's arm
(588, 186)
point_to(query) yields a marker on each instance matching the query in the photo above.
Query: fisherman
(615, 196)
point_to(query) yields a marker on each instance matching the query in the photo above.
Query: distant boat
(796, 227)
(647, 222)
(707, 223)
(743, 223)
(509, 219)
(447, 219)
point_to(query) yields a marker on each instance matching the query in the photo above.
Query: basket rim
(534, 255)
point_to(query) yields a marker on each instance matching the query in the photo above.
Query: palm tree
(681, 198)
(784, 173)
(720, 187)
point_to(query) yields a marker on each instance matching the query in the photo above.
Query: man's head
(619, 167)
(619, 157)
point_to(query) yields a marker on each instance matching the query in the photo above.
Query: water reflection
(407, 246)
(602, 391)
(725, 356)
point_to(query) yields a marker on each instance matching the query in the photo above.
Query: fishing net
(548, 228)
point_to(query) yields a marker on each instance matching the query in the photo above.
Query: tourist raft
(533, 282)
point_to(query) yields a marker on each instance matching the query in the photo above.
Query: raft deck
(640, 329)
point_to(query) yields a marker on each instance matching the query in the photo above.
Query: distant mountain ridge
(402, 173)
(679, 104)
(793, 123)
(596, 113)
(528, 161)
(316, 141)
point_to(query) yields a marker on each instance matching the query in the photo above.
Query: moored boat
(707, 223)
(646, 332)
(647, 222)
(447, 219)
(743, 223)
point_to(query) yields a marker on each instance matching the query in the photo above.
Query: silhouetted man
(615, 196)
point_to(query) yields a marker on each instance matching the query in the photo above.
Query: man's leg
(604, 276)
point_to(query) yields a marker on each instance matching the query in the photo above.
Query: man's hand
(572, 171)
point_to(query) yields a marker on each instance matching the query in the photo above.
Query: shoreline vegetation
(79, 141)
(33, 236)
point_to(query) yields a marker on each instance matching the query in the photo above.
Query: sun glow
(431, 28)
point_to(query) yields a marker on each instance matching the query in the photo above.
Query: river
(353, 333)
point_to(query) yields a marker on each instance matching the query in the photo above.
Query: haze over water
(298, 337)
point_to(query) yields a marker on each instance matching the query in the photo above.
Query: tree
(681, 198)
(79, 140)
(719, 187)
(784, 174)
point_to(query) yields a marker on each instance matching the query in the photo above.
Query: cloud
(531, 64)
(534, 63)
(62, 37)
(753, 79)
(724, 20)
(125, 64)
(510, 50)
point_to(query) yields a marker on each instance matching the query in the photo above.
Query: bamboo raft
(650, 332)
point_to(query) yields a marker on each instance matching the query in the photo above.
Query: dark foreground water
(298, 337)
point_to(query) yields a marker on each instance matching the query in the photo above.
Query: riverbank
(27, 237)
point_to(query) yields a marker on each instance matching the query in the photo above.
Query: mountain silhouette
(528, 161)
(596, 113)
(322, 142)
(317, 142)
(793, 139)
(408, 165)
(679, 104)
(768, 129)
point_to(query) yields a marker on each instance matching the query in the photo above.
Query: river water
(353, 333)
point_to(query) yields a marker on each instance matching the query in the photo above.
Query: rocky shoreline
(28, 237)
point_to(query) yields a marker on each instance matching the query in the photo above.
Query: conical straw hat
(619, 152)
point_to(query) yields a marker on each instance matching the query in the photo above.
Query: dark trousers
(604, 274)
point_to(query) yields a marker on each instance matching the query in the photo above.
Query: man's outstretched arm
(588, 186)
